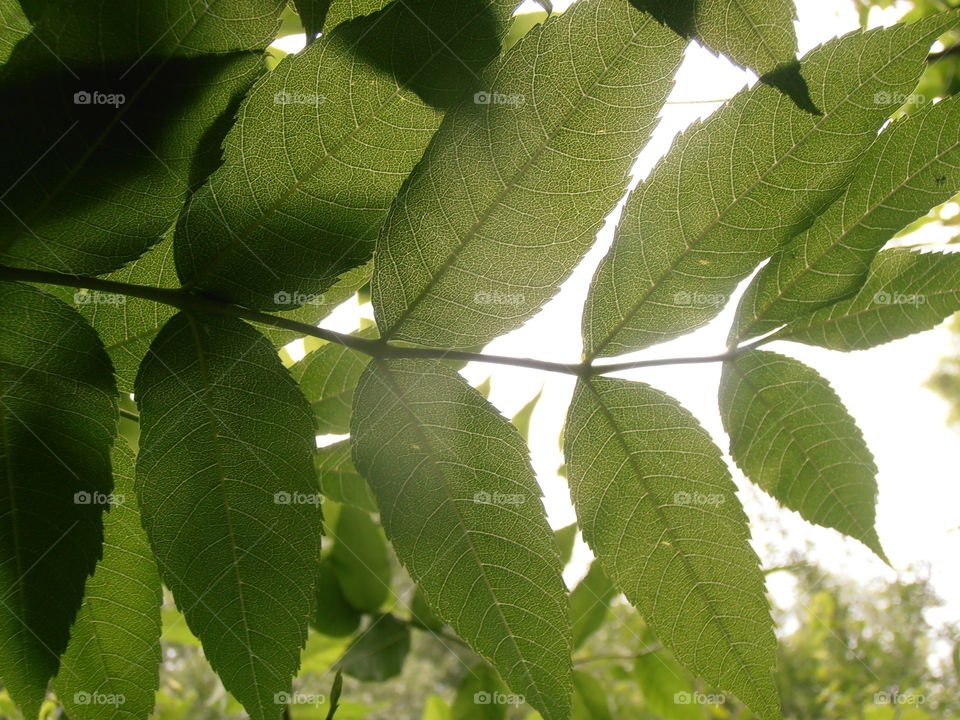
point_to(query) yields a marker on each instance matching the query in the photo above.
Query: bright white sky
(904, 423)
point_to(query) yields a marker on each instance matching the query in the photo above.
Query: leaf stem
(377, 348)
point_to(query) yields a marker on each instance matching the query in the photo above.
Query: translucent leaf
(732, 189)
(321, 146)
(913, 166)
(657, 506)
(590, 701)
(517, 181)
(14, 26)
(378, 654)
(460, 504)
(328, 376)
(589, 603)
(566, 538)
(110, 670)
(58, 418)
(360, 560)
(226, 487)
(312, 14)
(667, 689)
(476, 695)
(758, 34)
(524, 414)
(121, 108)
(339, 479)
(334, 615)
(343, 10)
(905, 292)
(792, 436)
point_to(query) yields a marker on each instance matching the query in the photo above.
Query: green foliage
(657, 505)
(225, 482)
(792, 436)
(460, 504)
(550, 137)
(57, 424)
(450, 164)
(114, 649)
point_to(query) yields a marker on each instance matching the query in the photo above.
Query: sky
(904, 423)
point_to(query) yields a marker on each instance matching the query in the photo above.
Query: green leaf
(379, 652)
(905, 292)
(321, 146)
(459, 501)
(128, 324)
(327, 377)
(14, 26)
(114, 649)
(792, 436)
(566, 539)
(667, 689)
(361, 560)
(120, 114)
(758, 34)
(334, 615)
(522, 418)
(657, 506)
(436, 709)
(313, 14)
(517, 181)
(477, 694)
(422, 615)
(589, 602)
(761, 168)
(339, 479)
(226, 487)
(589, 698)
(58, 418)
(343, 10)
(914, 165)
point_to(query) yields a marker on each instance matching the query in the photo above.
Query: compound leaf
(792, 436)
(656, 504)
(734, 188)
(460, 504)
(58, 419)
(517, 181)
(227, 492)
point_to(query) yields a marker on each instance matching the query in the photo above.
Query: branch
(377, 348)
(602, 658)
